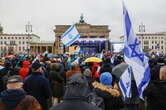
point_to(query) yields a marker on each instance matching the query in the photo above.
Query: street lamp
(28, 29)
(142, 31)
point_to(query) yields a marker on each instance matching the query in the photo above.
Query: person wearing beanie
(15, 98)
(106, 79)
(112, 97)
(38, 86)
(88, 74)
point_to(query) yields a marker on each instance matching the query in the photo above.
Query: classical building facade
(152, 41)
(15, 43)
(94, 38)
(41, 47)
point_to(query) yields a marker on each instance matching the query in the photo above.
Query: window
(146, 42)
(102, 36)
(22, 37)
(93, 36)
(4, 37)
(19, 37)
(8, 37)
(19, 48)
(23, 48)
(152, 42)
(19, 42)
(152, 47)
(1, 42)
(146, 47)
(161, 47)
(162, 42)
(23, 42)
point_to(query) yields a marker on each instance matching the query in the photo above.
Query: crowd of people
(67, 82)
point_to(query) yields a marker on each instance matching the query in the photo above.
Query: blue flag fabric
(125, 83)
(134, 56)
(70, 36)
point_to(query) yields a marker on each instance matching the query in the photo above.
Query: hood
(26, 64)
(77, 87)
(12, 97)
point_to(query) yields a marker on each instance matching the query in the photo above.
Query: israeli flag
(113, 59)
(70, 36)
(134, 56)
(125, 83)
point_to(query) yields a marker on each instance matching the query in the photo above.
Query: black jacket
(11, 98)
(155, 94)
(38, 86)
(111, 102)
(75, 97)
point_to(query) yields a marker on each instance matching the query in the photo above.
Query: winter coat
(17, 100)
(112, 97)
(4, 74)
(38, 86)
(75, 103)
(75, 99)
(155, 95)
(57, 81)
(25, 69)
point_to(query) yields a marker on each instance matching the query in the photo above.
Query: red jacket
(95, 70)
(25, 69)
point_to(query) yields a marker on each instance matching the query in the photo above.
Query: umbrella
(93, 59)
(118, 70)
(10, 56)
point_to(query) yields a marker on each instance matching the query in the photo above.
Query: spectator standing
(38, 86)
(15, 98)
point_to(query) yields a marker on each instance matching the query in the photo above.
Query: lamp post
(142, 31)
(28, 29)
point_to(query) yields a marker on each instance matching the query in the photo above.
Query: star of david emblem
(70, 36)
(136, 51)
(127, 85)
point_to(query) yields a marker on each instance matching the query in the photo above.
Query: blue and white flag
(134, 56)
(125, 83)
(70, 36)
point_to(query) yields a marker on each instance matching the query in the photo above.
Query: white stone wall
(19, 42)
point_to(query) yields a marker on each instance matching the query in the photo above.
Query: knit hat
(106, 79)
(14, 79)
(36, 65)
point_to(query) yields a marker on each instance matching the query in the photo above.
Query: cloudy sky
(44, 14)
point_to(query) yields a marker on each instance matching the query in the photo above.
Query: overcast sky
(44, 14)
